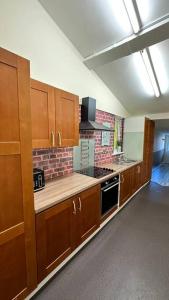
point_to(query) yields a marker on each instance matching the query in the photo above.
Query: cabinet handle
(52, 139)
(80, 204)
(138, 168)
(74, 208)
(60, 139)
(122, 177)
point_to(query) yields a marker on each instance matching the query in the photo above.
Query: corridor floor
(127, 260)
(160, 174)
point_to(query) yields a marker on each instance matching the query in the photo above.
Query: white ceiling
(89, 24)
(93, 25)
(125, 79)
(151, 10)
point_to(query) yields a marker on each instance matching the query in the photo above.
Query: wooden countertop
(118, 168)
(62, 188)
(65, 187)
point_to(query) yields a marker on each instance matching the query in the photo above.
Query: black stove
(95, 172)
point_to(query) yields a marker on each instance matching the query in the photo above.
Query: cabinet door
(67, 119)
(148, 149)
(88, 207)
(17, 231)
(43, 115)
(136, 177)
(125, 186)
(53, 236)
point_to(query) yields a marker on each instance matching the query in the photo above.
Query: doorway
(160, 170)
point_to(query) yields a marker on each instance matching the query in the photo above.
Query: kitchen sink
(129, 160)
(125, 161)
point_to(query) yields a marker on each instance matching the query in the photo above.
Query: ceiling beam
(147, 37)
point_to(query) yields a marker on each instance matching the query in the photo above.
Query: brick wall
(103, 154)
(59, 161)
(55, 162)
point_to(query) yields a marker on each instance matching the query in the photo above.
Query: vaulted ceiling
(93, 25)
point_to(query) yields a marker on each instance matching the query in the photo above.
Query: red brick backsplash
(55, 162)
(103, 154)
(59, 161)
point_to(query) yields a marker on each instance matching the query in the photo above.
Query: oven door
(109, 197)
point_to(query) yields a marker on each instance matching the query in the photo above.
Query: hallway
(127, 260)
(160, 174)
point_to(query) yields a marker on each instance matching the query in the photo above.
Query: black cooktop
(95, 172)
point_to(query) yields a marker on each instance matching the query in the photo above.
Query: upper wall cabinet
(43, 114)
(67, 119)
(55, 116)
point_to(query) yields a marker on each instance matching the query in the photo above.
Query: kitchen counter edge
(47, 197)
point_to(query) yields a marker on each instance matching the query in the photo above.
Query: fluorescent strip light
(160, 67)
(132, 15)
(150, 71)
(142, 76)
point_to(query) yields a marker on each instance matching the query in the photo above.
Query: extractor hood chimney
(88, 116)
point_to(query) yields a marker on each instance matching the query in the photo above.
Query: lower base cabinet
(62, 228)
(89, 214)
(53, 237)
(125, 186)
(136, 177)
(131, 181)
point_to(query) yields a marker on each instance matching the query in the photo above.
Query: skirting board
(44, 281)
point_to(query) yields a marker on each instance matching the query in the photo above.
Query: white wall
(29, 31)
(134, 124)
(134, 137)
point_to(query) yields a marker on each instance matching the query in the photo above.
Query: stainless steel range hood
(88, 116)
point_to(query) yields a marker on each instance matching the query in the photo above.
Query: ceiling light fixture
(119, 16)
(150, 70)
(157, 56)
(133, 17)
(144, 85)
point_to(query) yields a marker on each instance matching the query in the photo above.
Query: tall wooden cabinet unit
(17, 232)
(55, 116)
(148, 150)
(63, 227)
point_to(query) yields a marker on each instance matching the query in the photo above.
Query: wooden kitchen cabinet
(54, 236)
(42, 114)
(62, 228)
(17, 225)
(88, 207)
(67, 119)
(136, 177)
(131, 181)
(125, 185)
(148, 150)
(55, 116)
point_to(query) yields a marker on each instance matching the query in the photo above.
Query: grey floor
(127, 260)
(160, 174)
